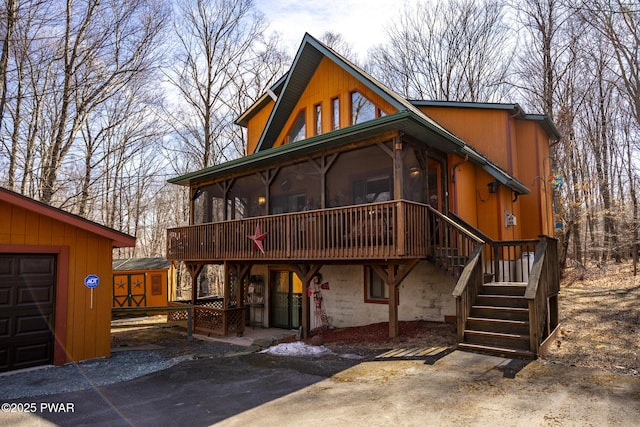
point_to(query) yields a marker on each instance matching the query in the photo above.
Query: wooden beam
(194, 270)
(392, 275)
(394, 326)
(325, 164)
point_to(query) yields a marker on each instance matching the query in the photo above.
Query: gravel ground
(152, 349)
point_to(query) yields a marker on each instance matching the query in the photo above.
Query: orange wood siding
(485, 130)
(87, 327)
(256, 125)
(534, 168)
(328, 82)
(463, 190)
(520, 147)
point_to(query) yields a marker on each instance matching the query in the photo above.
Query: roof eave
(119, 239)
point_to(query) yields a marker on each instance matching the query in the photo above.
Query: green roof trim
(545, 122)
(405, 121)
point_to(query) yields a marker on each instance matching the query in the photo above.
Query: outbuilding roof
(120, 240)
(136, 264)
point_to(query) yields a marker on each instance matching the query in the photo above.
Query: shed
(55, 284)
(143, 282)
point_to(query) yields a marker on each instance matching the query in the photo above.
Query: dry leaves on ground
(599, 320)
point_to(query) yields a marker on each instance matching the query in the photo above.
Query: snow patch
(297, 349)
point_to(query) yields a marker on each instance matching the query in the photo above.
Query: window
(298, 130)
(156, 284)
(335, 113)
(362, 109)
(317, 119)
(376, 291)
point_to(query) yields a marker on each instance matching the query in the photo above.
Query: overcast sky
(361, 22)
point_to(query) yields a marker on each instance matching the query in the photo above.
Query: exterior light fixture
(493, 187)
(414, 172)
(262, 200)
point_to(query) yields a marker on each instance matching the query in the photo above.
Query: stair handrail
(457, 226)
(543, 284)
(467, 288)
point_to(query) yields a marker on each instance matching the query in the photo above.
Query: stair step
(504, 288)
(498, 325)
(502, 301)
(497, 339)
(504, 313)
(511, 353)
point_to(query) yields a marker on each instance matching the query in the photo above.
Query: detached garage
(55, 284)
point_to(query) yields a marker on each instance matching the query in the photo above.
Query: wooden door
(27, 309)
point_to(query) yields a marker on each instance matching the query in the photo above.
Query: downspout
(453, 182)
(509, 164)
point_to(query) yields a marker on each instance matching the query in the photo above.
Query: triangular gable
(119, 239)
(305, 63)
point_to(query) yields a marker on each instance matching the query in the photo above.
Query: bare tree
(453, 50)
(215, 39)
(266, 64)
(10, 12)
(103, 46)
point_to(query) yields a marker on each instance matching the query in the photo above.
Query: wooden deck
(362, 232)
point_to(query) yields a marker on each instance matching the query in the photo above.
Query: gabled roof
(409, 119)
(119, 239)
(307, 59)
(132, 264)
(262, 102)
(545, 122)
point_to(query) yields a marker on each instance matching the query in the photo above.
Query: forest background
(102, 101)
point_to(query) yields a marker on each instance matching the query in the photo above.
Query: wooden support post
(194, 271)
(226, 285)
(393, 276)
(305, 274)
(190, 323)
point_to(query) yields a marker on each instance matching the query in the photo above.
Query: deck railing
(371, 231)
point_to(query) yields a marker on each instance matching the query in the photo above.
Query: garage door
(27, 290)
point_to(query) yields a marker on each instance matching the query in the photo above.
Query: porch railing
(371, 231)
(505, 260)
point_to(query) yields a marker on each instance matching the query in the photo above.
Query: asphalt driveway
(443, 387)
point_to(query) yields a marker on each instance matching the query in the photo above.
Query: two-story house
(358, 206)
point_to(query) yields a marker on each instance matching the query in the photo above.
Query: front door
(286, 300)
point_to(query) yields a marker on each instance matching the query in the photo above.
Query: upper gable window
(298, 130)
(317, 119)
(362, 109)
(335, 113)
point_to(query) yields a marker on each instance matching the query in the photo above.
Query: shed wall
(85, 331)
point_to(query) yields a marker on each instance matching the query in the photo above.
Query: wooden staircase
(509, 318)
(449, 260)
(499, 321)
